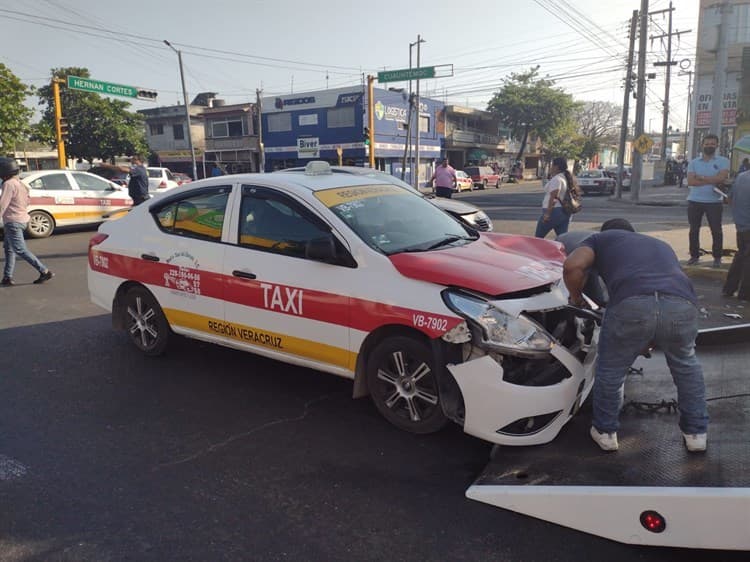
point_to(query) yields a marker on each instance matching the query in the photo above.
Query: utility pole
(187, 109)
(371, 117)
(669, 63)
(261, 146)
(626, 105)
(685, 152)
(640, 106)
(720, 69)
(419, 128)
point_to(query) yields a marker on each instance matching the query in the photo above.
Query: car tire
(403, 385)
(41, 224)
(145, 322)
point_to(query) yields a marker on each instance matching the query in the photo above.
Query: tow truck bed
(703, 498)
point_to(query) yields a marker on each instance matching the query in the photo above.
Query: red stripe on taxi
(359, 314)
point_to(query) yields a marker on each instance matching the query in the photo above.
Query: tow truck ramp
(651, 491)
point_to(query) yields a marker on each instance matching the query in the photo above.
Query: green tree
(99, 127)
(14, 115)
(527, 103)
(599, 123)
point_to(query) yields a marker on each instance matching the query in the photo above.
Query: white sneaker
(606, 441)
(695, 442)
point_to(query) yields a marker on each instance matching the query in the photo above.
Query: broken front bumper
(501, 408)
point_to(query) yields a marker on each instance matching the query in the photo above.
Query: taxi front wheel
(145, 322)
(403, 384)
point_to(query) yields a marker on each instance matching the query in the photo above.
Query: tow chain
(669, 406)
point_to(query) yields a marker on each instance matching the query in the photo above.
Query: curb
(718, 274)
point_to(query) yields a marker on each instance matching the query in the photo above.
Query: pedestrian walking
(14, 204)
(445, 179)
(553, 216)
(651, 303)
(738, 277)
(138, 183)
(705, 174)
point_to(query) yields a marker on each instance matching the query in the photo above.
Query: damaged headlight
(500, 331)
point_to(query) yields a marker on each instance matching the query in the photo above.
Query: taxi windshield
(391, 219)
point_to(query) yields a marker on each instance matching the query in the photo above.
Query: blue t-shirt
(701, 167)
(740, 195)
(633, 264)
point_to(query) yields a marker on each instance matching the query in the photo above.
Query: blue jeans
(559, 220)
(13, 243)
(671, 324)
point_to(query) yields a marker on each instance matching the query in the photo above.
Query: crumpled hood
(495, 264)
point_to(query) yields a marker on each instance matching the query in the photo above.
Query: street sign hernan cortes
(108, 88)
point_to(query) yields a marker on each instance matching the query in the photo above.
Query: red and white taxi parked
(360, 278)
(70, 198)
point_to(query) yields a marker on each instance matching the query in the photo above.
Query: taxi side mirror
(321, 249)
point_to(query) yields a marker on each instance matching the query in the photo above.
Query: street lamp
(187, 109)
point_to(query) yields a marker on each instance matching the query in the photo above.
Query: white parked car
(360, 278)
(160, 179)
(70, 198)
(596, 181)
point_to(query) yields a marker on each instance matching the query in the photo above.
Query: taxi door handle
(150, 257)
(244, 274)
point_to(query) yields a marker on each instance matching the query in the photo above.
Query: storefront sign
(308, 147)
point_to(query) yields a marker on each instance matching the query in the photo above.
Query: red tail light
(97, 239)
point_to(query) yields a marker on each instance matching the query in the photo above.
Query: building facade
(475, 137)
(231, 139)
(330, 125)
(166, 135)
(723, 39)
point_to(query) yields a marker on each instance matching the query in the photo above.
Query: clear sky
(235, 46)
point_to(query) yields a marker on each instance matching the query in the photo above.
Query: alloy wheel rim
(405, 392)
(141, 326)
(39, 224)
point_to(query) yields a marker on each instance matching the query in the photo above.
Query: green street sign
(406, 74)
(107, 88)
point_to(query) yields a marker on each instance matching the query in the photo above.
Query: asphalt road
(516, 203)
(212, 454)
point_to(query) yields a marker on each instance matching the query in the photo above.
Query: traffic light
(149, 95)
(64, 131)
(366, 136)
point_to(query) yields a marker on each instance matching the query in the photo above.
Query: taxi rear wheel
(403, 384)
(145, 322)
(41, 224)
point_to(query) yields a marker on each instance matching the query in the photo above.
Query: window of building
(340, 117)
(227, 128)
(308, 119)
(178, 132)
(198, 216)
(156, 128)
(279, 122)
(424, 123)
